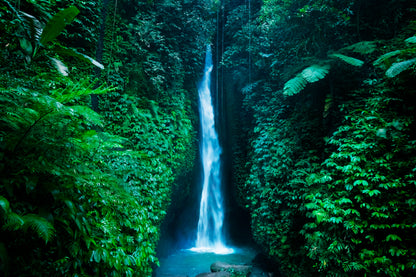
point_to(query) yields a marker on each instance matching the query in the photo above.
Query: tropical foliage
(98, 128)
(83, 193)
(324, 160)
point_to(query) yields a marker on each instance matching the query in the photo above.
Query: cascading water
(210, 237)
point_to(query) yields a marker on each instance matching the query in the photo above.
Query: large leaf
(399, 67)
(294, 86)
(411, 40)
(60, 66)
(87, 113)
(347, 59)
(386, 56)
(315, 72)
(74, 53)
(310, 74)
(40, 225)
(57, 23)
(363, 47)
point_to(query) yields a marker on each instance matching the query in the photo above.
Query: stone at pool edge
(238, 269)
(215, 274)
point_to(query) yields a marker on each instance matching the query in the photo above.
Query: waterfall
(210, 237)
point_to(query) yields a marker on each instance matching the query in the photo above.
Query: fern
(294, 86)
(399, 67)
(411, 40)
(315, 72)
(363, 47)
(13, 222)
(347, 59)
(39, 225)
(77, 90)
(87, 113)
(310, 74)
(385, 57)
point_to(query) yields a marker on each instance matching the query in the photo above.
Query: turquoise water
(188, 263)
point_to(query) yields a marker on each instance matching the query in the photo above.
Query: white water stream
(210, 236)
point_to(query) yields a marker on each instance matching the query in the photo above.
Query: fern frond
(399, 67)
(310, 74)
(347, 59)
(13, 222)
(386, 56)
(87, 113)
(363, 47)
(315, 72)
(294, 86)
(40, 225)
(411, 40)
(76, 90)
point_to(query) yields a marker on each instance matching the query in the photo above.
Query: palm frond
(350, 60)
(43, 228)
(399, 67)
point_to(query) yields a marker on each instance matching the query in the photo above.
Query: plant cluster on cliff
(325, 165)
(82, 191)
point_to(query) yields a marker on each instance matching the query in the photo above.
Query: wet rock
(243, 270)
(215, 274)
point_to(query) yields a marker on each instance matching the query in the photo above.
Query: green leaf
(40, 225)
(315, 72)
(26, 46)
(294, 86)
(57, 24)
(347, 59)
(399, 67)
(361, 182)
(60, 66)
(310, 74)
(411, 40)
(88, 114)
(363, 47)
(386, 56)
(13, 222)
(74, 53)
(4, 204)
(393, 237)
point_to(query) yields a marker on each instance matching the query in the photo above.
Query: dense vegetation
(85, 188)
(98, 126)
(326, 165)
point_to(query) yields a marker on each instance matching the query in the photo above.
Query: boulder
(242, 270)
